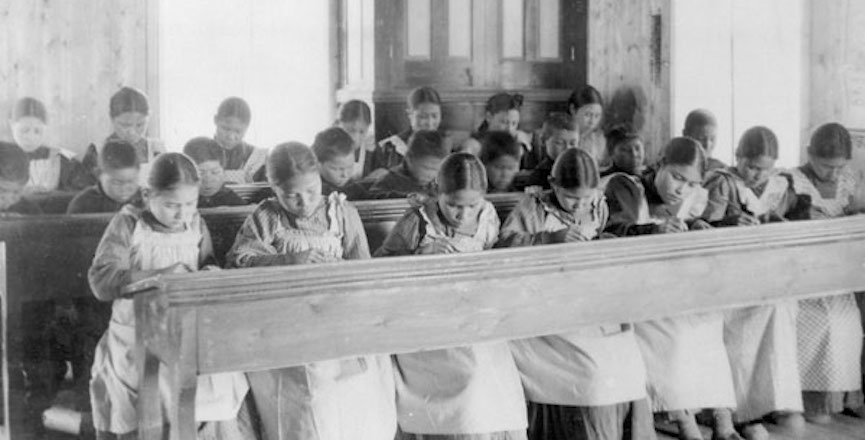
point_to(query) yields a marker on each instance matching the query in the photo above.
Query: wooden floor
(841, 428)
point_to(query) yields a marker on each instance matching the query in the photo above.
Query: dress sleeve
(111, 269)
(253, 245)
(354, 242)
(206, 255)
(624, 199)
(720, 198)
(523, 225)
(404, 238)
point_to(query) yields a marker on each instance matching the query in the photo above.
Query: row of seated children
(603, 382)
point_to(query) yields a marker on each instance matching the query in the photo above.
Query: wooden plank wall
(629, 53)
(72, 55)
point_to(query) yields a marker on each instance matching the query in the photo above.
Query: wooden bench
(48, 256)
(237, 320)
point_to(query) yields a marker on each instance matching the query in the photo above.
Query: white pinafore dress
(829, 328)
(246, 173)
(45, 173)
(594, 366)
(686, 361)
(464, 390)
(349, 399)
(114, 382)
(761, 340)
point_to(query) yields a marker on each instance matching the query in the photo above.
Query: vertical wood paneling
(72, 56)
(513, 28)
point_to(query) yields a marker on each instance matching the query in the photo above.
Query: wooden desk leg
(184, 378)
(150, 424)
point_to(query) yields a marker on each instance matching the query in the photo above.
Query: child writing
(760, 340)
(469, 392)
(355, 118)
(243, 162)
(589, 384)
(560, 133)
(14, 174)
(51, 169)
(685, 357)
(334, 149)
(701, 125)
(500, 155)
(209, 157)
(829, 328)
(350, 398)
(424, 113)
(166, 236)
(130, 113)
(502, 113)
(117, 183)
(415, 177)
(586, 106)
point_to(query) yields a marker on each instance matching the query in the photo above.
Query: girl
(355, 118)
(350, 398)
(685, 357)
(502, 113)
(243, 162)
(829, 328)
(167, 236)
(130, 113)
(51, 169)
(424, 113)
(589, 384)
(760, 340)
(586, 106)
(466, 392)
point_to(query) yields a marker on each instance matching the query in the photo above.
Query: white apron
(761, 340)
(829, 328)
(349, 399)
(685, 357)
(246, 173)
(594, 366)
(463, 390)
(114, 382)
(45, 173)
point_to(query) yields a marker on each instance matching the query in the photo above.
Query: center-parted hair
(831, 141)
(355, 110)
(697, 119)
(118, 155)
(234, 107)
(427, 143)
(128, 100)
(685, 151)
(204, 149)
(757, 142)
(495, 144)
(558, 121)
(585, 96)
(620, 135)
(28, 107)
(289, 160)
(575, 168)
(423, 95)
(462, 171)
(14, 164)
(170, 171)
(331, 143)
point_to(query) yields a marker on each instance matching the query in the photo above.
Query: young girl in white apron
(589, 384)
(760, 340)
(355, 117)
(329, 400)
(167, 236)
(829, 328)
(468, 392)
(685, 357)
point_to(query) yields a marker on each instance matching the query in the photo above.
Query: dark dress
(224, 197)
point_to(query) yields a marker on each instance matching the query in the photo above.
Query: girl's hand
(177, 268)
(437, 246)
(701, 225)
(745, 219)
(573, 235)
(311, 256)
(416, 200)
(211, 267)
(671, 226)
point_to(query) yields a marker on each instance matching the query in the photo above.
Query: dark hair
(170, 170)
(234, 107)
(331, 143)
(29, 107)
(289, 160)
(575, 168)
(501, 102)
(427, 143)
(697, 119)
(14, 164)
(584, 96)
(355, 110)
(204, 149)
(831, 141)
(118, 155)
(461, 171)
(619, 135)
(685, 151)
(128, 100)
(495, 144)
(757, 142)
(423, 95)
(558, 121)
